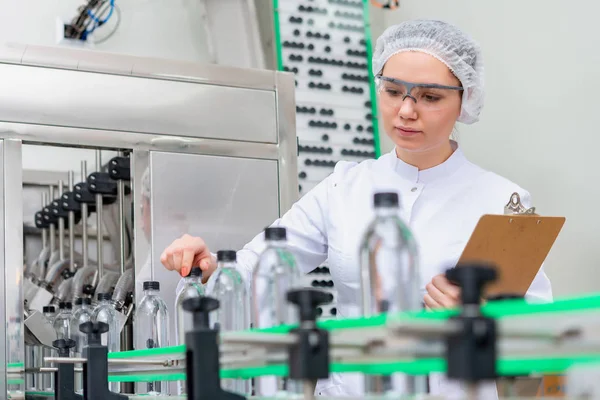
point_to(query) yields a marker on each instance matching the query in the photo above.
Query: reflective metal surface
(11, 263)
(182, 108)
(220, 199)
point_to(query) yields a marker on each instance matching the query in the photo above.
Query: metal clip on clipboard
(515, 207)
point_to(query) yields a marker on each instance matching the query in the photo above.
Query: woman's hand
(441, 293)
(187, 252)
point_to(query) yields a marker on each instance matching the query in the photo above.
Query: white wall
(153, 28)
(540, 122)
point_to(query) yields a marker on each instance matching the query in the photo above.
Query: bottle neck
(384, 212)
(276, 243)
(151, 292)
(226, 264)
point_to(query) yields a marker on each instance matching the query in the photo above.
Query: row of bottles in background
(151, 327)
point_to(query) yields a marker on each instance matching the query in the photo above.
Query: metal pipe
(71, 228)
(129, 361)
(44, 230)
(52, 227)
(121, 200)
(84, 216)
(99, 221)
(61, 227)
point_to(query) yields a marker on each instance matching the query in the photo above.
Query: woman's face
(428, 123)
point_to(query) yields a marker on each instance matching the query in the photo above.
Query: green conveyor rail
(499, 310)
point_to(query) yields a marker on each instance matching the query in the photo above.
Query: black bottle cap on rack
(386, 199)
(49, 309)
(83, 300)
(65, 305)
(226, 255)
(151, 285)
(196, 271)
(275, 233)
(104, 296)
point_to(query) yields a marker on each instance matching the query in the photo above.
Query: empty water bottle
(82, 314)
(105, 312)
(390, 279)
(233, 314)
(192, 287)
(151, 330)
(62, 322)
(48, 379)
(275, 274)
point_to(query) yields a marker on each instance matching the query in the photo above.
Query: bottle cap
(226, 255)
(275, 233)
(151, 285)
(83, 300)
(196, 271)
(104, 296)
(49, 309)
(69, 305)
(386, 200)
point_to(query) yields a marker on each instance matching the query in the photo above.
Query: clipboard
(516, 243)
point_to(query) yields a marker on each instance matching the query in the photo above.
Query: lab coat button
(413, 189)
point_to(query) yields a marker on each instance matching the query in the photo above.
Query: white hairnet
(448, 44)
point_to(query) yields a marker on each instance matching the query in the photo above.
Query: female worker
(429, 75)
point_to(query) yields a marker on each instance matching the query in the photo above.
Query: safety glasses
(427, 96)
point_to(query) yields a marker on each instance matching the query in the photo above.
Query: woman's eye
(392, 92)
(431, 98)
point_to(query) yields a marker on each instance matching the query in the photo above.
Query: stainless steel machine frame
(153, 107)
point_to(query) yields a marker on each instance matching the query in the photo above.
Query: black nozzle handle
(307, 301)
(201, 307)
(472, 278)
(94, 331)
(119, 168)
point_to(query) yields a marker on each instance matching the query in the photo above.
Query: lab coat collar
(444, 170)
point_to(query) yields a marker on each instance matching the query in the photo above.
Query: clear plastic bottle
(62, 322)
(390, 278)
(82, 314)
(233, 313)
(192, 287)
(151, 323)
(48, 379)
(106, 312)
(275, 274)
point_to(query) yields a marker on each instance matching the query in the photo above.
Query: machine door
(225, 200)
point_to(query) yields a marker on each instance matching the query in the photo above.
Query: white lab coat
(441, 205)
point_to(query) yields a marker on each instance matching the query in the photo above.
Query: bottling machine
(156, 149)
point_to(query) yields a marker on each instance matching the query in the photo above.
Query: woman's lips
(403, 131)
